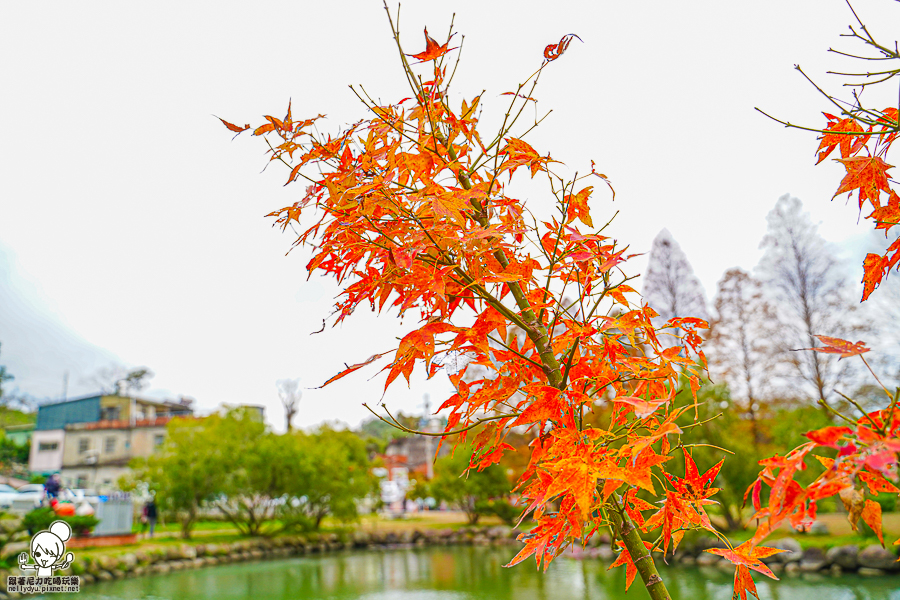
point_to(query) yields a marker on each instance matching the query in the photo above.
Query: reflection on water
(458, 573)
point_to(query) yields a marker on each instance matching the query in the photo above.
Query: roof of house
(120, 424)
(86, 409)
(60, 414)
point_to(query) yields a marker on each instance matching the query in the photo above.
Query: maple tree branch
(707, 446)
(821, 91)
(564, 206)
(830, 408)
(517, 353)
(568, 361)
(863, 358)
(533, 327)
(689, 425)
(860, 409)
(407, 70)
(640, 554)
(396, 424)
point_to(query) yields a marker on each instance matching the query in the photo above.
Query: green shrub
(888, 502)
(40, 519)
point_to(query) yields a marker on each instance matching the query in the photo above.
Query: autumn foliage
(866, 444)
(412, 209)
(862, 152)
(863, 136)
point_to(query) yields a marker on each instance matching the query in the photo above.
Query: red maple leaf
(433, 50)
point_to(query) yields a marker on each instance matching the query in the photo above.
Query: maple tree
(412, 209)
(867, 450)
(866, 445)
(863, 136)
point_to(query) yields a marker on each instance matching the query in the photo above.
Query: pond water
(459, 573)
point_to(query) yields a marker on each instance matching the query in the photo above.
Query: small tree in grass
(185, 473)
(328, 476)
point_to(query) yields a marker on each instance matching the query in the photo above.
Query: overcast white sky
(132, 228)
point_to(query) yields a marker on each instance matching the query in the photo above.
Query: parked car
(7, 494)
(31, 491)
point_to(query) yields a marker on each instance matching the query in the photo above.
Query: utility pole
(65, 385)
(429, 450)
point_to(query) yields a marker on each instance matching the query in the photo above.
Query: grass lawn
(839, 532)
(432, 519)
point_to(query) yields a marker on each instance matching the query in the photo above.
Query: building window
(110, 413)
(47, 446)
(110, 445)
(158, 440)
(84, 445)
(81, 482)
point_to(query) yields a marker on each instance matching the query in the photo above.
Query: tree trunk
(187, 523)
(731, 522)
(640, 555)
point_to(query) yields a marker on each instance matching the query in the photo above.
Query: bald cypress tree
(812, 298)
(743, 346)
(670, 285)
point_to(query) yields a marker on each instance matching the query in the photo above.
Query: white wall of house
(104, 479)
(46, 450)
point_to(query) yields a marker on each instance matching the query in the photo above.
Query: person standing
(150, 513)
(51, 486)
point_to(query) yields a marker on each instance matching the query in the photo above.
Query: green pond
(458, 573)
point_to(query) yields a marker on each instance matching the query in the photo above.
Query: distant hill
(11, 416)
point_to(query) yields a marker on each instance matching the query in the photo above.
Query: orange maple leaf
(887, 216)
(233, 127)
(868, 174)
(624, 558)
(352, 368)
(839, 134)
(693, 486)
(520, 153)
(877, 483)
(871, 514)
(578, 206)
(746, 557)
(873, 273)
(828, 436)
(839, 346)
(554, 51)
(433, 50)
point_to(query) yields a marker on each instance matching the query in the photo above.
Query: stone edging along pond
(871, 560)
(98, 566)
(115, 564)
